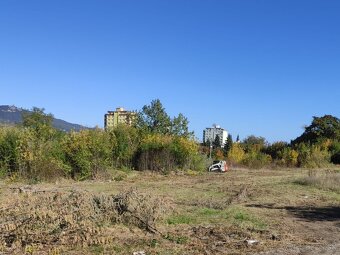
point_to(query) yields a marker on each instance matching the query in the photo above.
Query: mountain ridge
(12, 115)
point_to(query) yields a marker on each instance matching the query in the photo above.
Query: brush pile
(53, 217)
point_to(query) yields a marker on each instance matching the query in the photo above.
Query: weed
(328, 180)
(153, 243)
(180, 219)
(177, 239)
(209, 212)
(245, 219)
(97, 249)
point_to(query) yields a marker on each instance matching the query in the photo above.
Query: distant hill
(12, 115)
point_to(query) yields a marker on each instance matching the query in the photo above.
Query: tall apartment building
(209, 134)
(119, 116)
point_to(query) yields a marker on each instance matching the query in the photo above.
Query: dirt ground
(239, 212)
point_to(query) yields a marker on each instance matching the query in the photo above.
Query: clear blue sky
(254, 67)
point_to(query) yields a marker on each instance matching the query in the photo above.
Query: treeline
(156, 142)
(318, 146)
(36, 150)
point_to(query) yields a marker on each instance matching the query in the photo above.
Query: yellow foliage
(236, 154)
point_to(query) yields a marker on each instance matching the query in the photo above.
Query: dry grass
(175, 214)
(325, 179)
(46, 217)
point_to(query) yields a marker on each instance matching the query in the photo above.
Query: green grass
(181, 219)
(245, 219)
(209, 212)
(97, 249)
(177, 239)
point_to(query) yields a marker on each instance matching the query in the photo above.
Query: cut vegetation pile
(72, 218)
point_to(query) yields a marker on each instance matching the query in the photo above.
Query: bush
(9, 154)
(289, 157)
(39, 158)
(335, 159)
(87, 152)
(166, 153)
(124, 142)
(236, 154)
(312, 156)
(335, 150)
(256, 160)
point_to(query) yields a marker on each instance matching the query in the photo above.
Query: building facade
(119, 116)
(209, 135)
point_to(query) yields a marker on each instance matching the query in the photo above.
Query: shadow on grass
(329, 213)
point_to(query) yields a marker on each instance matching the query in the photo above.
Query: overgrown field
(287, 211)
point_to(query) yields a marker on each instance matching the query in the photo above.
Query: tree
(38, 121)
(217, 142)
(238, 138)
(276, 149)
(236, 154)
(256, 143)
(179, 126)
(154, 119)
(228, 145)
(321, 128)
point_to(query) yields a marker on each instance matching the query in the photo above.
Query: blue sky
(257, 67)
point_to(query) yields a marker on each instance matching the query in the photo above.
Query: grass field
(289, 211)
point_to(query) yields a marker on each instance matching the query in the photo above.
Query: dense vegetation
(37, 151)
(318, 146)
(156, 142)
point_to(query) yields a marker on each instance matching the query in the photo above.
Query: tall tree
(228, 145)
(153, 118)
(217, 142)
(38, 121)
(321, 128)
(252, 143)
(179, 126)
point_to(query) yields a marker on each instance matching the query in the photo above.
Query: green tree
(154, 119)
(228, 145)
(321, 128)
(217, 142)
(252, 143)
(179, 126)
(276, 149)
(39, 122)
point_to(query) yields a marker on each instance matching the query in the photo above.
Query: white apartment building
(209, 134)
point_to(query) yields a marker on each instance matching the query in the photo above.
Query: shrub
(166, 153)
(312, 156)
(87, 153)
(255, 159)
(9, 154)
(124, 142)
(236, 154)
(289, 157)
(40, 159)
